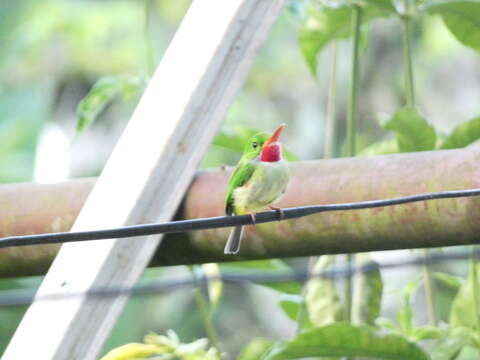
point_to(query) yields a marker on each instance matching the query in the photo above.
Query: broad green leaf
(132, 351)
(448, 280)
(462, 18)
(367, 296)
(254, 349)
(468, 353)
(103, 92)
(382, 147)
(405, 314)
(462, 311)
(463, 135)
(323, 303)
(170, 348)
(342, 339)
(215, 287)
(412, 131)
(387, 324)
(321, 26)
(450, 346)
(324, 24)
(267, 266)
(291, 304)
(427, 332)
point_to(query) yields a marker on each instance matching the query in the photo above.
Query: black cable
(221, 221)
(15, 298)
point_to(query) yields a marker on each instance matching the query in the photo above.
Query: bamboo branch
(33, 208)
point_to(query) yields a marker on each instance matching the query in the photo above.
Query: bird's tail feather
(233, 242)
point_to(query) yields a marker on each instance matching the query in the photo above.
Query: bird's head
(265, 146)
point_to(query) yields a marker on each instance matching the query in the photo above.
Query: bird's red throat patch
(271, 153)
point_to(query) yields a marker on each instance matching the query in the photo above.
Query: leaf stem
(206, 314)
(353, 91)
(328, 149)
(410, 99)
(351, 129)
(428, 285)
(407, 56)
(475, 289)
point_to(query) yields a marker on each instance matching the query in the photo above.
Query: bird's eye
(254, 145)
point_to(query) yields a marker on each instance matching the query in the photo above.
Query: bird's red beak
(275, 136)
(272, 150)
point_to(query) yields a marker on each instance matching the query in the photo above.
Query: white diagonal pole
(146, 176)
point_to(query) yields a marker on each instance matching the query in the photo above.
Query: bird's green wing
(242, 173)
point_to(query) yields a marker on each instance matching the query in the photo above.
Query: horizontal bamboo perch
(30, 208)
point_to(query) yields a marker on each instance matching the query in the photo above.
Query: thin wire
(16, 298)
(222, 221)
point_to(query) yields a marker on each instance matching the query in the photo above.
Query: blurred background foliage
(54, 51)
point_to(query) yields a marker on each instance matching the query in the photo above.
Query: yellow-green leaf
(463, 135)
(132, 351)
(103, 92)
(462, 18)
(341, 339)
(367, 296)
(323, 304)
(412, 131)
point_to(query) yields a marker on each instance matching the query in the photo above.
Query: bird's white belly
(266, 186)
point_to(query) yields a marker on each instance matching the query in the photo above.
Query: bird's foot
(253, 217)
(280, 213)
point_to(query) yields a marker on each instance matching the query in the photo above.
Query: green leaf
(103, 92)
(267, 266)
(255, 349)
(324, 24)
(321, 26)
(132, 351)
(387, 324)
(382, 147)
(412, 131)
(291, 304)
(463, 135)
(405, 314)
(342, 339)
(450, 346)
(428, 332)
(448, 280)
(323, 304)
(462, 18)
(367, 296)
(468, 353)
(461, 313)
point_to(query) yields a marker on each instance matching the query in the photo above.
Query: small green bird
(259, 180)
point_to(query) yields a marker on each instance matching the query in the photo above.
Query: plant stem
(328, 149)
(428, 284)
(410, 99)
(353, 91)
(351, 129)
(407, 57)
(475, 289)
(206, 314)
(331, 106)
